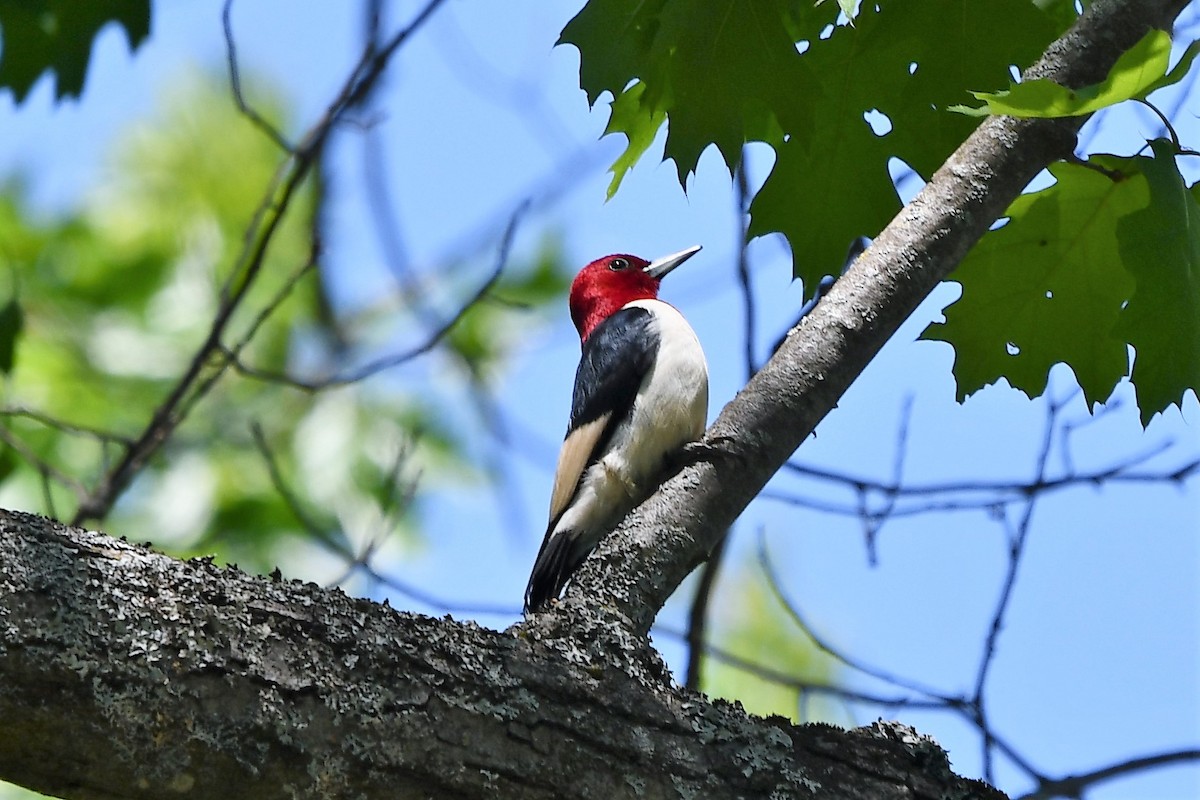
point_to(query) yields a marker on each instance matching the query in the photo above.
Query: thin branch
(1013, 493)
(398, 499)
(395, 501)
(749, 313)
(788, 681)
(235, 84)
(378, 365)
(44, 468)
(799, 620)
(489, 81)
(1015, 556)
(1075, 785)
(969, 708)
(998, 492)
(698, 613)
(233, 354)
(873, 522)
(381, 203)
(75, 429)
(259, 236)
(314, 529)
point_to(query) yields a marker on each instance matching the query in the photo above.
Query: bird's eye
(618, 264)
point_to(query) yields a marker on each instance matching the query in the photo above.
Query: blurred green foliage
(108, 305)
(755, 627)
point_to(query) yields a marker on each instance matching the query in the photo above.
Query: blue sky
(1099, 659)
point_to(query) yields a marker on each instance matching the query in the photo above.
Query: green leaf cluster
(1101, 261)
(1138, 73)
(55, 37)
(1104, 261)
(725, 72)
(1106, 258)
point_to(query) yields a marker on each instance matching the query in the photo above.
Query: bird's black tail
(555, 563)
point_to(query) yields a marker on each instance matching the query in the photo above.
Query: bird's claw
(707, 450)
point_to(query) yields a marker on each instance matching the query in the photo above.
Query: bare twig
(1017, 540)
(787, 680)
(1075, 785)
(982, 494)
(235, 82)
(873, 522)
(75, 429)
(395, 359)
(698, 614)
(398, 499)
(749, 312)
(823, 644)
(963, 706)
(315, 530)
(48, 471)
(259, 235)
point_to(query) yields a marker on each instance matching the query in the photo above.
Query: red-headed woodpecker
(641, 393)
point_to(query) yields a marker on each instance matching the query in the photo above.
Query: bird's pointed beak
(661, 266)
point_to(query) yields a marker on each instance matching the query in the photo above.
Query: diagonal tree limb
(671, 533)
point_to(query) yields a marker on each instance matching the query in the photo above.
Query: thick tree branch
(673, 531)
(124, 673)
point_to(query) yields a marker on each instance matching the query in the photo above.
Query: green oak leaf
(1048, 287)
(640, 125)
(1139, 71)
(1160, 245)
(734, 76)
(887, 62)
(725, 72)
(840, 168)
(722, 69)
(613, 37)
(39, 36)
(1181, 68)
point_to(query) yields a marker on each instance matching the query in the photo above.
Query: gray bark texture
(130, 674)
(124, 673)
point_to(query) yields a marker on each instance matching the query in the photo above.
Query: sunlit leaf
(848, 7)
(1139, 71)
(639, 124)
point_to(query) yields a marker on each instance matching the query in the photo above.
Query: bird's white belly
(670, 409)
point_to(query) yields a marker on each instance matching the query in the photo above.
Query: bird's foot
(709, 450)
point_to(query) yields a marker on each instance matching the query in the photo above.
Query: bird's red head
(604, 286)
